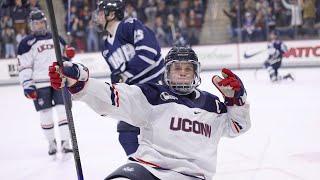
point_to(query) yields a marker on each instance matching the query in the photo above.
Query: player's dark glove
(75, 75)
(117, 76)
(231, 88)
(30, 92)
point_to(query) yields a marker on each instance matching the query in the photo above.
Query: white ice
(283, 142)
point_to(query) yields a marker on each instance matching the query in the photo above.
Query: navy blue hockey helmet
(36, 16)
(176, 56)
(116, 6)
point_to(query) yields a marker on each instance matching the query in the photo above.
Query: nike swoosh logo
(196, 112)
(247, 56)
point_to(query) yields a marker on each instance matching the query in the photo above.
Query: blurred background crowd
(175, 22)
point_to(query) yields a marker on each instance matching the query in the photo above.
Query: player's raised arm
(235, 96)
(114, 100)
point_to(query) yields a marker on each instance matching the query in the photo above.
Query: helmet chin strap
(106, 24)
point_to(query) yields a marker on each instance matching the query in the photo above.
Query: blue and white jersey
(179, 134)
(35, 54)
(276, 49)
(136, 46)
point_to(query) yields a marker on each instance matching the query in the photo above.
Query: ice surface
(283, 142)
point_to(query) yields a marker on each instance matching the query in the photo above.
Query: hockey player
(276, 49)
(133, 55)
(180, 124)
(35, 53)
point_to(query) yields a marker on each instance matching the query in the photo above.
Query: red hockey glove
(73, 74)
(231, 88)
(69, 51)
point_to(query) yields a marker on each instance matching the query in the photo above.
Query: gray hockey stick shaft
(66, 100)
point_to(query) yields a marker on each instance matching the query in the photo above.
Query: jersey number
(138, 35)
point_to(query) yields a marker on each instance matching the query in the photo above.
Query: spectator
(250, 6)
(151, 11)
(130, 11)
(21, 35)
(19, 14)
(92, 38)
(6, 21)
(160, 33)
(198, 8)
(8, 38)
(170, 29)
(260, 24)
(73, 16)
(180, 41)
(309, 16)
(232, 15)
(85, 15)
(194, 27)
(278, 13)
(78, 31)
(296, 14)
(249, 29)
(162, 11)
(32, 5)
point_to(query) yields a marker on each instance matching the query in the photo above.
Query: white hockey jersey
(179, 135)
(35, 55)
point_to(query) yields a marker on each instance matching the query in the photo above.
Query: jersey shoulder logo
(128, 169)
(165, 96)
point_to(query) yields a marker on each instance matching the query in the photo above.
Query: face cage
(183, 88)
(95, 19)
(36, 31)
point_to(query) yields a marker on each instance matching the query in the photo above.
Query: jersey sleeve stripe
(153, 76)
(117, 96)
(63, 122)
(126, 73)
(25, 81)
(145, 71)
(24, 68)
(236, 126)
(47, 126)
(114, 96)
(147, 60)
(147, 49)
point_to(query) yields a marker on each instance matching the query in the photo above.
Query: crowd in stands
(13, 24)
(173, 21)
(251, 20)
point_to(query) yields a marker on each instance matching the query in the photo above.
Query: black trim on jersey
(203, 100)
(166, 169)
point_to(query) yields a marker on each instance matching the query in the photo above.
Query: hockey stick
(67, 102)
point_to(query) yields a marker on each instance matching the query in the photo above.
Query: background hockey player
(35, 54)
(180, 125)
(276, 49)
(132, 53)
